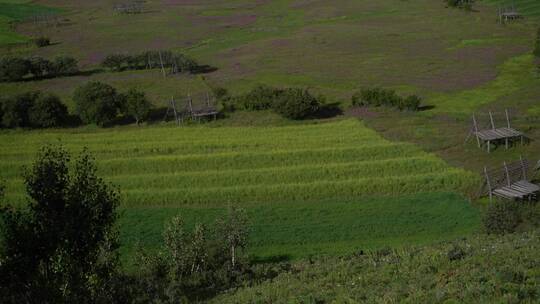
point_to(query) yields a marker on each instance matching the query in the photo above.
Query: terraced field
(320, 188)
(215, 166)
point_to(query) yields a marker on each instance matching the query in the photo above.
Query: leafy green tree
(62, 247)
(48, 112)
(40, 67)
(115, 62)
(96, 102)
(14, 68)
(17, 110)
(136, 105)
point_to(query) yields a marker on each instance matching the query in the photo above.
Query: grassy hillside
(18, 10)
(323, 188)
(475, 270)
(204, 166)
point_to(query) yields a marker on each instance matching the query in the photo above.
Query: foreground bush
(61, 248)
(96, 102)
(377, 97)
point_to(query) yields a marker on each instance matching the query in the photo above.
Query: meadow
(315, 188)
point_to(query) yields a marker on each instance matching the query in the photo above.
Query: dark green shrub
(64, 65)
(410, 103)
(297, 104)
(536, 50)
(464, 4)
(14, 68)
(261, 97)
(135, 104)
(96, 102)
(115, 62)
(376, 97)
(17, 109)
(48, 112)
(42, 41)
(40, 67)
(502, 217)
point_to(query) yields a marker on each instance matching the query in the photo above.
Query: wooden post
(476, 130)
(489, 146)
(489, 185)
(190, 104)
(523, 167)
(173, 104)
(507, 118)
(508, 182)
(162, 67)
(491, 119)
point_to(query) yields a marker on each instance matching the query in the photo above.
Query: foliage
(261, 97)
(13, 68)
(135, 104)
(509, 216)
(297, 104)
(96, 102)
(197, 263)
(463, 4)
(508, 265)
(48, 111)
(19, 68)
(16, 110)
(384, 97)
(178, 63)
(60, 248)
(33, 109)
(42, 41)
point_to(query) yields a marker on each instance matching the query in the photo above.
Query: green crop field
(326, 188)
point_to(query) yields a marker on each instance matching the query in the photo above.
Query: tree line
(95, 103)
(176, 62)
(16, 68)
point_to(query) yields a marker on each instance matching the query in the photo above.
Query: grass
(320, 188)
(212, 166)
(480, 269)
(292, 230)
(17, 10)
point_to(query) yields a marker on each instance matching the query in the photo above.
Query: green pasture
(214, 166)
(291, 230)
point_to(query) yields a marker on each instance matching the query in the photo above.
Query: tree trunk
(233, 256)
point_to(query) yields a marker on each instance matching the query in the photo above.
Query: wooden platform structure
(511, 182)
(494, 135)
(508, 13)
(209, 109)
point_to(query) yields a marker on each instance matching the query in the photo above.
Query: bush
(261, 97)
(297, 104)
(48, 112)
(384, 97)
(136, 105)
(64, 65)
(96, 102)
(152, 59)
(42, 41)
(16, 110)
(464, 4)
(14, 68)
(115, 62)
(40, 67)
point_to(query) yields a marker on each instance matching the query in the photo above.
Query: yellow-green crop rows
(192, 166)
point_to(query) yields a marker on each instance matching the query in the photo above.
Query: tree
(64, 65)
(40, 67)
(13, 68)
(136, 105)
(17, 109)
(96, 102)
(115, 62)
(48, 112)
(297, 104)
(233, 228)
(62, 247)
